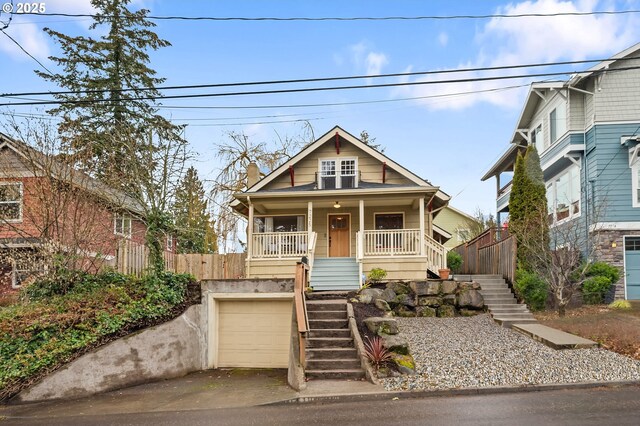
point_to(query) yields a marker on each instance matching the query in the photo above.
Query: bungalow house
(49, 207)
(347, 209)
(587, 132)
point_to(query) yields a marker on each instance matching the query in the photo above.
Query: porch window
(279, 224)
(389, 221)
(11, 201)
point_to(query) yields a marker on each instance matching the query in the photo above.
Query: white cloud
(30, 37)
(443, 39)
(507, 41)
(375, 61)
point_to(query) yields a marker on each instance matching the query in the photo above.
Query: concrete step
(344, 332)
(335, 374)
(512, 315)
(498, 298)
(331, 353)
(324, 324)
(330, 342)
(511, 309)
(508, 323)
(495, 291)
(554, 338)
(491, 282)
(327, 314)
(326, 305)
(334, 364)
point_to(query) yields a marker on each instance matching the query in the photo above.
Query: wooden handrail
(300, 283)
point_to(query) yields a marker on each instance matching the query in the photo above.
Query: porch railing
(279, 244)
(391, 242)
(436, 254)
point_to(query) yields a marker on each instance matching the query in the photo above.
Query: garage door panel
(254, 333)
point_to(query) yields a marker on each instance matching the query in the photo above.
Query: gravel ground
(475, 352)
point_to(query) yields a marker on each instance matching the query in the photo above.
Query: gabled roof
(603, 65)
(65, 172)
(355, 141)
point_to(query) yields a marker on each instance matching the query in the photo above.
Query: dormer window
(338, 173)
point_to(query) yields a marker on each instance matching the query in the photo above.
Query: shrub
(454, 261)
(622, 305)
(595, 288)
(52, 329)
(531, 288)
(376, 274)
(603, 269)
(376, 353)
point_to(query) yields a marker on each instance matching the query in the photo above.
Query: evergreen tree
(528, 207)
(195, 230)
(106, 110)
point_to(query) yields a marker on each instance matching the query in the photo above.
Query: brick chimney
(253, 174)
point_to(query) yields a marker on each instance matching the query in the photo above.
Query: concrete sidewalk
(223, 388)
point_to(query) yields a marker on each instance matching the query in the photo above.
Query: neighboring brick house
(587, 133)
(46, 206)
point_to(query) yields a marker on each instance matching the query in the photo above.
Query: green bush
(595, 288)
(603, 269)
(531, 288)
(454, 261)
(376, 274)
(52, 329)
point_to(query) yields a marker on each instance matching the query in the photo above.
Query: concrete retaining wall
(168, 350)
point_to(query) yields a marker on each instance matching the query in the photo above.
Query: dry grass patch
(616, 330)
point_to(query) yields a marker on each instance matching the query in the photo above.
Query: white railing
(391, 242)
(436, 254)
(312, 251)
(279, 244)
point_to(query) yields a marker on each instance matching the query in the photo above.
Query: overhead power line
(353, 18)
(320, 79)
(309, 89)
(24, 50)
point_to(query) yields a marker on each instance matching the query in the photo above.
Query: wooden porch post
(309, 225)
(361, 220)
(422, 230)
(250, 231)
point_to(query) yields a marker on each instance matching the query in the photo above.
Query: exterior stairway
(330, 351)
(335, 273)
(502, 304)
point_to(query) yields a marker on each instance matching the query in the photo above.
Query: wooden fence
(492, 252)
(133, 259)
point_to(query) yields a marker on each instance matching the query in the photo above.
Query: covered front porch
(390, 231)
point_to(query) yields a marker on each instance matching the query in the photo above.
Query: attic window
(338, 173)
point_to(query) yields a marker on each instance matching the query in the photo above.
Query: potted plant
(454, 261)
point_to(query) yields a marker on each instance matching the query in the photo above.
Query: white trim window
(122, 225)
(279, 223)
(557, 123)
(169, 242)
(338, 173)
(634, 163)
(537, 139)
(564, 196)
(11, 196)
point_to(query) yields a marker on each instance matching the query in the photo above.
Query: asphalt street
(617, 406)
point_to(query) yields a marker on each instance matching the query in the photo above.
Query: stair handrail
(436, 253)
(302, 318)
(312, 250)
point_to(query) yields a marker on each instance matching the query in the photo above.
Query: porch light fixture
(336, 205)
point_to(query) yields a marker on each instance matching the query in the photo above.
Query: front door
(632, 267)
(339, 235)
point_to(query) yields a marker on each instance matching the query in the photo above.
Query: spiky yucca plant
(376, 353)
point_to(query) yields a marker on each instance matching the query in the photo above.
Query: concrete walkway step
(335, 374)
(327, 314)
(333, 364)
(326, 305)
(330, 342)
(331, 353)
(327, 332)
(551, 337)
(508, 323)
(328, 323)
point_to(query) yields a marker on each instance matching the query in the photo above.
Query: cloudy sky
(450, 135)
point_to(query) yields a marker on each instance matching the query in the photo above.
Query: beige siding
(271, 268)
(305, 170)
(12, 165)
(541, 115)
(589, 111)
(398, 268)
(617, 97)
(575, 111)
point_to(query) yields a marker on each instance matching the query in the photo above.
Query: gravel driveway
(475, 352)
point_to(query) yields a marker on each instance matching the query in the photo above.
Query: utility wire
(320, 79)
(352, 18)
(308, 89)
(24, 50)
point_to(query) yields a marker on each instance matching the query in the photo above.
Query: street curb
(453, 392)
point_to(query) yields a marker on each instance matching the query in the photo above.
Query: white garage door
(254, 333)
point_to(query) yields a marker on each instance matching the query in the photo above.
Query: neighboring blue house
(587, 132)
